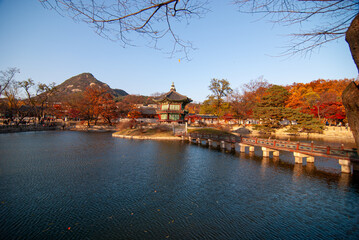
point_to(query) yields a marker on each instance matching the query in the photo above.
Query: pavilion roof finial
(173, 87)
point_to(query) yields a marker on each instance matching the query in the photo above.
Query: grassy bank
(213, 131)
(148, 132)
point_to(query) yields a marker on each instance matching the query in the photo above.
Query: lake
(77, 185)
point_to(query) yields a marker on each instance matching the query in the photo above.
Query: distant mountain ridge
(80, 82)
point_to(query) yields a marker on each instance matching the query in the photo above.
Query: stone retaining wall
(12, 129)
(146, 137)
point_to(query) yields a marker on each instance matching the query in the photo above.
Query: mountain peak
(80, 82)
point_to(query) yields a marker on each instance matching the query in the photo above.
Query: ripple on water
(68, 185)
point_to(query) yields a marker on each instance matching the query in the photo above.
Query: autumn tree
(134, 113)
(126, 103)
(123, 108)
(243, 102)
(108, 109)
(208, 106)
(220, 89)
(37, 95)
(74, 107)
(340, 19)
(92, 103)
(321, 98)
(238, 104)
(193, 108)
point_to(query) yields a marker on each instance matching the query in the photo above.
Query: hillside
(80, 82)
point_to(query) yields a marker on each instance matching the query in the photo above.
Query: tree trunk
(350, 95)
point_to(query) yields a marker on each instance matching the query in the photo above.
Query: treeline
(301, 106)
(24, 100)
(96, 104)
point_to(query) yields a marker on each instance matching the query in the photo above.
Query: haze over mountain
(80, 82)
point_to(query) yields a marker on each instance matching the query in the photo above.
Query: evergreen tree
(275, 96)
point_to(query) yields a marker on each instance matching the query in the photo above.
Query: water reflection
(310, 168)
(345, 180)
(106, 188)
(297, 170)
(329, 169)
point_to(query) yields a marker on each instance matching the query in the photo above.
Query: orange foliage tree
(91, 105)
(322, 98)
(242, 104)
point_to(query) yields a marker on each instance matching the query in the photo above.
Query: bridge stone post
(275, 153)
(209, 142)
(242, 147)
(297, 157)
(223, 145)
(266, 152)
(198, 140)
(190, 139)
(310, 159)
(346, 166)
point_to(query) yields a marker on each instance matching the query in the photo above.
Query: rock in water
(351, 103)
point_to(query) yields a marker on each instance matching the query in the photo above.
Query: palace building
(172, 106)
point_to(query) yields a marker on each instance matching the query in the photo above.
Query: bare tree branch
(6, 78)
(333, 17)
(120, 20)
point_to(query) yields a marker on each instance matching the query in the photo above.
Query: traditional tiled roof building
(172, 106)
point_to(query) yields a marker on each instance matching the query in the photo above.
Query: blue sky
(238, 47)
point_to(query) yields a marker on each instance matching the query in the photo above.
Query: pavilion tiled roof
(172, 96)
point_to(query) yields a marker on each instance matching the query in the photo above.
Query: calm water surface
(71, 185)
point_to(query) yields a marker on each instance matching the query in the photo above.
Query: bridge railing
(283, 145)
(304, 147)
(216, 137)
